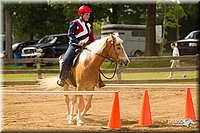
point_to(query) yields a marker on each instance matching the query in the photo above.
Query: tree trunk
(8, 50)
(177, 27)
(114, 16)
(151, 47)
(31, 36)
(91, 20)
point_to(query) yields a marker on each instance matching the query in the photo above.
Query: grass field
(107, 65)
(125, 76)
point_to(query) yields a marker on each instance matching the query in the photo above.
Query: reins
(115, 70)
(112, 75)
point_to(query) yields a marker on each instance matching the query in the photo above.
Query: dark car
(17, 47)
(50, 46)
(189, 45)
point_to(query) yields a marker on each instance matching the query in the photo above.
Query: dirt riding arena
(39, 112)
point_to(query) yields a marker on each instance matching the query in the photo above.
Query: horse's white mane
(96, 47)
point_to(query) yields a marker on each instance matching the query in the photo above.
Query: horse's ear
(116, 33)
(111, 35)
(113, 38)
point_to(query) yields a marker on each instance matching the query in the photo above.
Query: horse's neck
(91, 60)
(96, 61)
(92, 57)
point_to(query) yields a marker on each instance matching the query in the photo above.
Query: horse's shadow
(105, 122)
(128, 122)
(100, 122)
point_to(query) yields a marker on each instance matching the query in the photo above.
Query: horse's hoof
(75, 118)
(71, 122)
(80, 123)
(67, 117)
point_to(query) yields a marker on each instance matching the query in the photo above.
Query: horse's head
(116, 50)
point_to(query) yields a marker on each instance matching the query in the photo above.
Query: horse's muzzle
(124, 62)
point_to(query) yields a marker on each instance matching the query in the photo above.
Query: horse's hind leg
(87, 105)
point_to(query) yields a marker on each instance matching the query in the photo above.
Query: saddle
(71, 78)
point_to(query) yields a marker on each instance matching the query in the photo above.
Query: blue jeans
(68, 60)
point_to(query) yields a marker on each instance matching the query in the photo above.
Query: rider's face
(86, 16)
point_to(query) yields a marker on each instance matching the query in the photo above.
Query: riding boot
(101, 83)
(62, 80)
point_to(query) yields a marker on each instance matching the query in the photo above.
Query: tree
(151, 48)
(33, 21)
(191, 19)
(170, 15)
(8, 28)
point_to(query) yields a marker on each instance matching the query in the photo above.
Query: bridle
(105, 57)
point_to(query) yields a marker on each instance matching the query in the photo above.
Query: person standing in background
(175, 63)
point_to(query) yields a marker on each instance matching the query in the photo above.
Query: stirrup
(61, 82)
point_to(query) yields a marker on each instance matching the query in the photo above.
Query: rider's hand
(81, 44)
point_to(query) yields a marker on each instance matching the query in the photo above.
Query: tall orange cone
(189, 108)
(145, 118)
(115, 121)
(83, 105)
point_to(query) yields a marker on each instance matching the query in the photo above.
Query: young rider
(80, 34)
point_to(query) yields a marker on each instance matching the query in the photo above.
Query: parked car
(2, 48)
(17, 47)
(50, 46)
(189, 45)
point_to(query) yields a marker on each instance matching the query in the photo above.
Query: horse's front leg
(67, 100)
(87, 105)
(72, 101)
(79, 118)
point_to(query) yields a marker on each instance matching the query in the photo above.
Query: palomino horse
(86, 71)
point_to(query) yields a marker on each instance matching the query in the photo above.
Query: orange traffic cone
(115, 121)
(189, 108)
(83, 105)
(145, 118)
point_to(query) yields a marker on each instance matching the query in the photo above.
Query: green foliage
(33, 21)
(172, 16)
(97, 27)
(173, 13)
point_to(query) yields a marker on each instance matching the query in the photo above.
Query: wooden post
(119, 77)
(37, 63)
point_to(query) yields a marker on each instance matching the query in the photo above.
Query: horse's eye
(118, 48)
